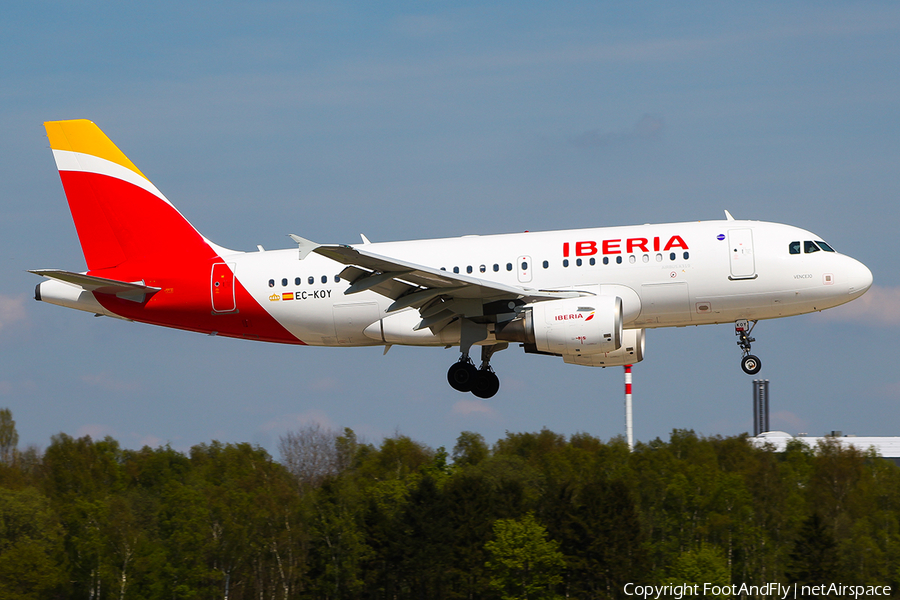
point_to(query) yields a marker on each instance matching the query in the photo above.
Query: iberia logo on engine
(578, 315)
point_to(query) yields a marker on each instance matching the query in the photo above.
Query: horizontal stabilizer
(136, 292)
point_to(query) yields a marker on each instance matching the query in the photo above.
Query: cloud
(325, 384)
(298, 421)
(96, 431)
(146, 440)
(880, 306)
(782, 419)
(469, 407)
(109, 383)
(12, 310)
(648, 127)
(423, 26)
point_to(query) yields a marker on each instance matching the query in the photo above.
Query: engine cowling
(582, 326)
(631, 352)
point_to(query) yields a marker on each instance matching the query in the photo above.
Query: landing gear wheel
(462, 376)
(486, 384)
(751, 364)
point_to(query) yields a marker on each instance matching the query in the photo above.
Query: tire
(751, 364)
(486, 385)
(461, 376)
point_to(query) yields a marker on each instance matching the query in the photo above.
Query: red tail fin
(120, 216)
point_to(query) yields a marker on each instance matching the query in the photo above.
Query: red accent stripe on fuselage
(153, 243)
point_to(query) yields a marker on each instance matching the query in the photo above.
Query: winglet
(306, 246)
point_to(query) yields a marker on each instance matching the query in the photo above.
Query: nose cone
(860, 278)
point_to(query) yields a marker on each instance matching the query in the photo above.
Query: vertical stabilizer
(119, 214)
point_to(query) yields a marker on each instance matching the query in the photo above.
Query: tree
(9, 437)
(699, 567)
(310, 454)
(525, 564)
(470, 449)
(814, 558)
(30, 541)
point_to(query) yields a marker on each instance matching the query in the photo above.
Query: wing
(440, 296)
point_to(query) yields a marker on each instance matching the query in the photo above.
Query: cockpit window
(810, 247)
(794, 247)
(824, 246)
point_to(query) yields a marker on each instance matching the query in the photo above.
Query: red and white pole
(629, 433)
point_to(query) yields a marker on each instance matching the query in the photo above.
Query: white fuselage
(667, 275)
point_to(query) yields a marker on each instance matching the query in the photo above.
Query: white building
(887, 447)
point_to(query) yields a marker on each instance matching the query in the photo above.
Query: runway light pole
(629, 433)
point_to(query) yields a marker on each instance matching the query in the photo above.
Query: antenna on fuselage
(728, 216)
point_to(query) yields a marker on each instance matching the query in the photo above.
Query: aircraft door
(523, 266)
(222, 288)
(740, 245)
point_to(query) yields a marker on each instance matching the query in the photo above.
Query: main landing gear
(749, 363)
(482, 382)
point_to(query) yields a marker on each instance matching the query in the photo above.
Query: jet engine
(631, 352)
(576, 327)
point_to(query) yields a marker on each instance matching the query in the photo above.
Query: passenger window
(496, 267)
(659, 258)
(671, 256)
(443, 268)
(524, 266)
(456, 269)
(565, 262)
(810, 247)
(686, 255)
(646, 258)
(469, 269)
(297, 280)
(271, 283)
(546, 264)
(311, 280)
(324, 278)
(619, 260)
(593, 261)
(337, 278)
(605, 260)
(577, 262)
(794, 247)
(824, 246)
(284, 282)
(632, 259)
(482, 268)
(509, 266)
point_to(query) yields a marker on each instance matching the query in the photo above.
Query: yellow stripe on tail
(81, 135)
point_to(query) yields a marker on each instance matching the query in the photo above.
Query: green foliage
(699, 567)
(30, 545)
(524, 564)
(537, 515)
(9, 437)
(470, 449)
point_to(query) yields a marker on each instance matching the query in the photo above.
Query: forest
(534, 515)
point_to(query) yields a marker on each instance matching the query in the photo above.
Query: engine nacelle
(582, 326)
(631, 352)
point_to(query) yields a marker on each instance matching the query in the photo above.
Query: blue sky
(412, 120)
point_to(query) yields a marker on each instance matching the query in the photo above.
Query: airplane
(585, 295)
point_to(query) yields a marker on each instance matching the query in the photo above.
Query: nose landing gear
(749, 363)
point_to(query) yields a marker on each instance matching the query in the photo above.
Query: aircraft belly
(664, 304)
(352, 319)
